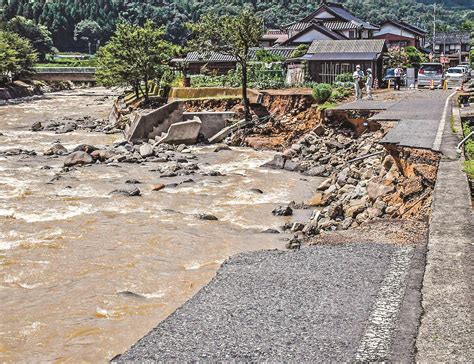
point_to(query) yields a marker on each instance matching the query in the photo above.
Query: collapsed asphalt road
(345, 302)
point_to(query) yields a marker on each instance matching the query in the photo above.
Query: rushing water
(83, 274)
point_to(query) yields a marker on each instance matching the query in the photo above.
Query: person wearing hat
(369, 83)
(358, 77)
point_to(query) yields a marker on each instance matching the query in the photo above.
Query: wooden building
(328, 58)
(399, 34)
(328, 21)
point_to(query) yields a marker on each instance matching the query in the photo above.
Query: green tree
(17, 56)
(39, 36)
(88, 31)
(134, 55)
(231, 35)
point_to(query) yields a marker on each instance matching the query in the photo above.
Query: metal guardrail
(52, 70)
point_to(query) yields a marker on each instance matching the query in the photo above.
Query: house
(454, 45)
(399, 34)
(220, 64)
(330, 21)
(328, 58)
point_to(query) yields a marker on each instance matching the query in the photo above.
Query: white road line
(442, 124)
(376, 342)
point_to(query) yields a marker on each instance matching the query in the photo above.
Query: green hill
(61, 16)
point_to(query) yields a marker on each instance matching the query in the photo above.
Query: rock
(294, 244)
(311, 229)
(207, 217)
(132, 192)
(56, 149)
(297, 226)
(355, 207)
(325, 184)
(346, 224)
(78, 158)
(146, 150)
(181, 147)
(319, 130)
(36, 126)
(85, 148)
(316, 171)
(132, 182)
(289, 153)
(388, 162)
(319, 199)
(158, 187)
(376, 190)
(256, 190)
(374, 212)
(67, 128)
(342, 177)
(278, 162)
(335, 211)
(412, 187)
(333, 145)
(270, 231)
(283, 211)
(220, 148)
(291, 166)
(102, 155)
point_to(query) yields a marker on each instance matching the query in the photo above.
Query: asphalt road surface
(347, 302)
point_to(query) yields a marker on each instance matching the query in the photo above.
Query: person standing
(358, 76)
(398, 77)
(369, 83)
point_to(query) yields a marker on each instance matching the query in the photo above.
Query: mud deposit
(85, 274)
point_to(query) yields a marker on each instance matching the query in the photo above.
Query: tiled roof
(195, 57)
(339, 11)
(340, 25)
(347, 46)
(452, 37)
(403, 25)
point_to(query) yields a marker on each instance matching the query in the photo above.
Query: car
(467, 71)
(390, 76)
(455, 75)
(430, 74)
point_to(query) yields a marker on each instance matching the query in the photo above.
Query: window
(351, 34)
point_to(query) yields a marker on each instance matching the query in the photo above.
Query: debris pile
(393, 183)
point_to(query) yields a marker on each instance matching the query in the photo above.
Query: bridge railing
(78, 70)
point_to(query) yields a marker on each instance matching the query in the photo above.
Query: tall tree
(17, 56)
(232, 35)
(88, 31)
(134, 55)
(38, 35)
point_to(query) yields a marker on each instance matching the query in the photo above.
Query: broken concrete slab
(212, 122)
(185, 132)
(220, 136)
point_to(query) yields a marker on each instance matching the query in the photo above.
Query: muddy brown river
(84, 274)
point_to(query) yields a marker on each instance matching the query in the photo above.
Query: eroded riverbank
(88, 273)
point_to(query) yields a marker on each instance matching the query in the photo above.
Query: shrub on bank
(322, 92)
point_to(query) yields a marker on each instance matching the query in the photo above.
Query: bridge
(75, 74)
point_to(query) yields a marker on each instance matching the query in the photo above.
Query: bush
(344, 77)
(322, 92)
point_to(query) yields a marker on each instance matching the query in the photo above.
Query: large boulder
(78, 158)
(146, 150)
(376, 190)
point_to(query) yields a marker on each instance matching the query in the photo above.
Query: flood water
(83, 274)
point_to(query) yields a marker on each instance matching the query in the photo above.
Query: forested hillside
(61, 16)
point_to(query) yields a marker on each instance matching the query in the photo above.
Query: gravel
(310, 305)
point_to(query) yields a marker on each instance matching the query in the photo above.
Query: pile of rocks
(68, 125)
(357, 191)
(325, 150)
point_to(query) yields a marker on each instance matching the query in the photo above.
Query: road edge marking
(442, 124)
